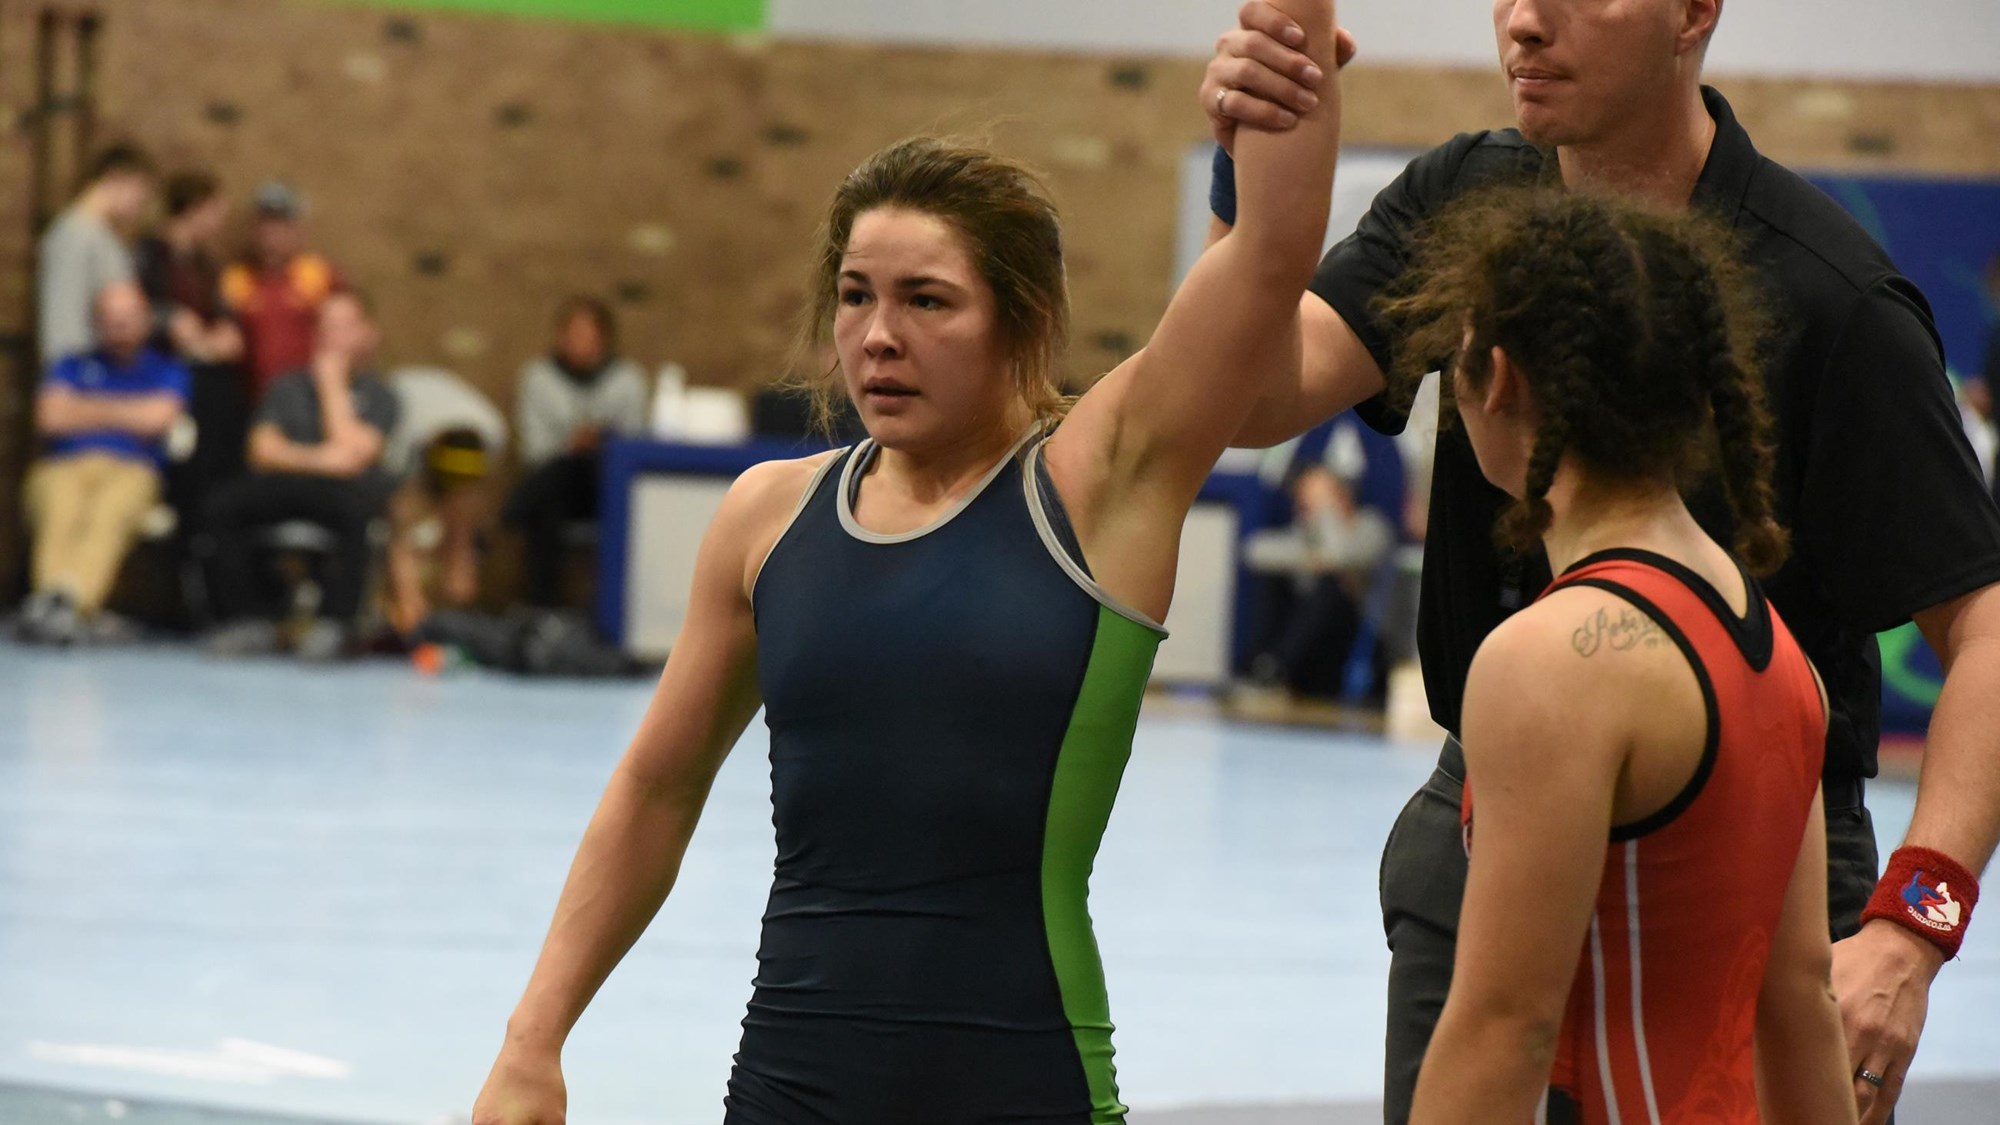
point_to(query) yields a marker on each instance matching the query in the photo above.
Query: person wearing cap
(84, 250)
(276, 291)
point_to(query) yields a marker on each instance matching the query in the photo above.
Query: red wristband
(1929, 893)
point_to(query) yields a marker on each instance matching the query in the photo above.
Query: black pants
(241, 581)
(561, 492)
(1423, 881)
(1308, 634)
(220, 406)
(219, 403)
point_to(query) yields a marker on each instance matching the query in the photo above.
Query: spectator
(315, 454)
(442, 450)
(435, 519)
(104, 415)
(179, 269)
(276, 294)
(432, 400)
(567, 402)
(84, 250)
(1346, 485)
(181, 272)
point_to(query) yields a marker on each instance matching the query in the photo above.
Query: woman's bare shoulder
(778, 483)
(760, 504)
(1582, 653)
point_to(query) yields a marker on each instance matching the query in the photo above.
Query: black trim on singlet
(1752, 632)
(1645, 826)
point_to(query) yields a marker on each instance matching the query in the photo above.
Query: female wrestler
(949, 627)
(1644, 931)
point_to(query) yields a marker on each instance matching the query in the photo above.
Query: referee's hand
(1259, 78)
(1882, 978)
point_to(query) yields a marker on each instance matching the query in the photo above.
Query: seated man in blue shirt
(103, 416)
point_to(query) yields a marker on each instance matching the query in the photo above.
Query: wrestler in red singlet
(1661, 1018)
(1642, 938)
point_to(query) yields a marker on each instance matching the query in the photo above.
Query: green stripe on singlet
(1094, 751)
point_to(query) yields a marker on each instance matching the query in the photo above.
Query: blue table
(626, 460)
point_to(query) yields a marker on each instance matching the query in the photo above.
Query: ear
(1697, 25)
(1506, 390)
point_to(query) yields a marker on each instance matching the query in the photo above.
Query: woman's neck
(942, 472)
(1590, 515)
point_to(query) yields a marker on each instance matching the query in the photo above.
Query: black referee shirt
(1875, 478)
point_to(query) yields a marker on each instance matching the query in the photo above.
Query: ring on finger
(1870, 1077)
(1221, 96)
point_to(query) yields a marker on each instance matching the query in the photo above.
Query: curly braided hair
(1636, 332)
(1743, 430)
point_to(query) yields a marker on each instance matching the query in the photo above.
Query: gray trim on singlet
(812, 486)
(864, 454)
(1031, 482)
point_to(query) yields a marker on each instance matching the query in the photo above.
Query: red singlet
(1661, 1019)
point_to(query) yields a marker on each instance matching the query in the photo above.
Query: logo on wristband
(1927, 893)
(1931, 903)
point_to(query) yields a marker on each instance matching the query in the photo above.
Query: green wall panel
(712, 15)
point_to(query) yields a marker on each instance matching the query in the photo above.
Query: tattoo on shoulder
(1619, 631)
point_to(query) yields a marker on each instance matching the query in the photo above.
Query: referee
(1890, 518)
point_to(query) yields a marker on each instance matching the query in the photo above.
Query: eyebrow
(915, 281)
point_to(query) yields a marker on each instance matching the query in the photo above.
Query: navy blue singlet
(951, 710)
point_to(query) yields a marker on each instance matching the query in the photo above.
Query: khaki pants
(85, 512)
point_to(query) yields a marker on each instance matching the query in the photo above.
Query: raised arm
(1801, 1054)
(1335, 372)
(1136, 448)
(631, 853)
(1258, 80)
(1158, 422)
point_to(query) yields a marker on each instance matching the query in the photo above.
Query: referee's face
(1591, 72)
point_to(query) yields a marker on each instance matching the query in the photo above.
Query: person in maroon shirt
(180, 269)
(276, 292)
